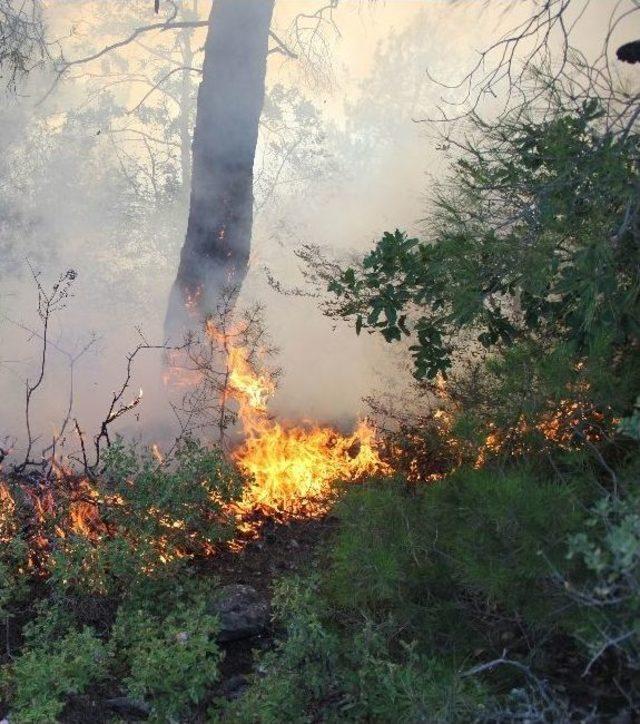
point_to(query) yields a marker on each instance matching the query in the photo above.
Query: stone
(130, 707)
(234, 687)
(241, 611)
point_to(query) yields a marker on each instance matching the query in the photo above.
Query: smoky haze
(95, 173)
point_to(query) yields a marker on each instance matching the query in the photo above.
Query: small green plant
(154, 518)
(332, 669)
(171, 658)
(609, 548)
(43, 676)
(13, 580)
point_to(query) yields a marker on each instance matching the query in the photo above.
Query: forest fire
(291, 467)
(7, 510)
(289, 471)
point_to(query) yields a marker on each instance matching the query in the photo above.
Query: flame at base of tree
(290, 467)
(289, 471)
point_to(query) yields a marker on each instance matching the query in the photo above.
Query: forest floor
(283, 547)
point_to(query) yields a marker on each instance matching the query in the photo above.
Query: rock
(234, 687)
(241, 611)
(130, 707)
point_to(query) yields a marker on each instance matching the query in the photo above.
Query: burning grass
(156, 508)
(164, 507)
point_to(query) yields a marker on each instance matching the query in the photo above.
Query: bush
(479, 538)
(419, 584)
(325, 670)
(43, 676)
(13, 582)
(523, 290)
(533, 207)
(160, 648)
(171, 657)
(149, 519)
(114, 593)
(609, 548)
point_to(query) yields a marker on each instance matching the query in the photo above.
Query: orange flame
(7, 510)
(291, 467)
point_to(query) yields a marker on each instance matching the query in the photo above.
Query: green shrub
(421, 583)
(181, 504)
(493, 528)
(14, 556)
(14, 552)
(478, 538)
(171, 657)
(161, 648)
(121, 598)
(609, 548)
(154, 519)
(376, 556)
(325, 670)
(531, 246)
(43, 676)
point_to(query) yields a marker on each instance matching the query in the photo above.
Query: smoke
(89, 185)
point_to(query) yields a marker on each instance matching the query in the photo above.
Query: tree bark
(184, 117)
(216, 249)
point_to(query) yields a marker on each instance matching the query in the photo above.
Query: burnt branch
(83, 448)
(204, 365)
(118, 406)
(49, 302)
(72, 359)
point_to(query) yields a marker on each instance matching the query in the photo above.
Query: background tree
(230, 100)
(22, 41)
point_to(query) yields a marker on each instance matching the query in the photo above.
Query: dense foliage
(507, 590)
(117, 602)
(532, 253)
(420, 585)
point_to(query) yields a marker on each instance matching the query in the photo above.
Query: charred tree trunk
(215, 253)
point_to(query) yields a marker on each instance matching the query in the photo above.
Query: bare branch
(48, 304)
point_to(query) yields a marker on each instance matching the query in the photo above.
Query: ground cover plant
(113, 603)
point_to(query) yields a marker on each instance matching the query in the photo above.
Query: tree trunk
(184, 117)
(215, 253)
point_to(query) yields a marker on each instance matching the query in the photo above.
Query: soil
(283, 547)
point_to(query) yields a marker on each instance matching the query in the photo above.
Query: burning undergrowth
(229, 382)
(126, 542)
(231, 466)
